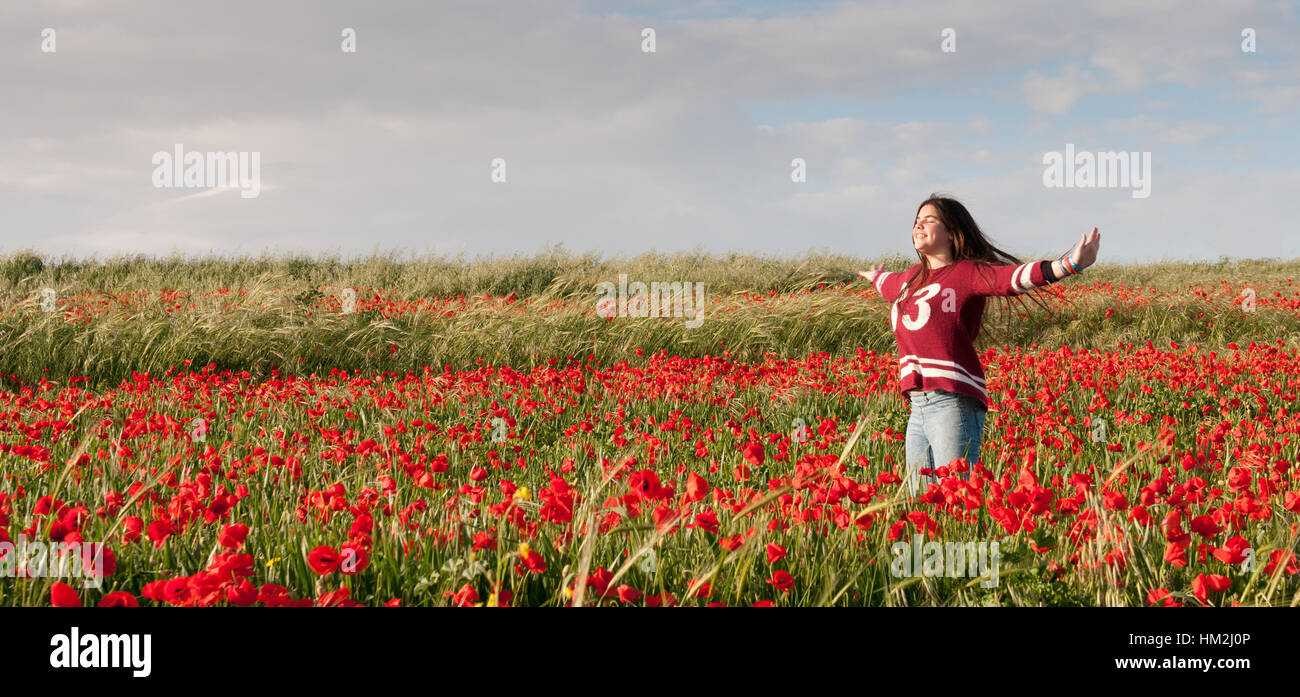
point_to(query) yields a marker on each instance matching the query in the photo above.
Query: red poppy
(1281, 556)
(664, 599)
(731, 543)
(535, 562)
(708, 521)
(1115, 501)
(1199, 589)
(1204, 526)
(484, 540)
(134, 526)
(1162, 597)
(598, 581)
(628, 594)
(775, 552)
(339, 598)
(273, 595)
(97, 560)
(353, 558)
(159, 530)
(1233, 551)
(177, 591)
(1291, 501)
(666, 519)
(62, 595)
(696, 488)
(233, 536)
(1172, 526)
(119, 599)
(241, 593)
(782, 581)
(323, 560)
(155, 590)
(1176, 553)
(464, 597)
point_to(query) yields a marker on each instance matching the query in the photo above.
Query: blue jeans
(943, 425)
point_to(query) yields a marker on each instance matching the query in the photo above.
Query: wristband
(1065, 264)
(1074, 268)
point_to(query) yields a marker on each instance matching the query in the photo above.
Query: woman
(938, 309)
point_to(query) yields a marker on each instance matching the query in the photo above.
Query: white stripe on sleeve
(880, 277)
(1021, 278)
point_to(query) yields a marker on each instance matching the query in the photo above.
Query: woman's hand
(871, 275)
(1084, 253)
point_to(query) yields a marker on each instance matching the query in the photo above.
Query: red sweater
(936, 327)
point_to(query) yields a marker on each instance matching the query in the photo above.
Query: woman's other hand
(875, 271)
(1084, 253)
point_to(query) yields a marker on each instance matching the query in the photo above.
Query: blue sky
(612, 149)
(1262, 134)
(720, 9)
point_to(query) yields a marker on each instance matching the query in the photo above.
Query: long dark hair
(968, 242)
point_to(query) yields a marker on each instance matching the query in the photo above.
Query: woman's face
(929, 236)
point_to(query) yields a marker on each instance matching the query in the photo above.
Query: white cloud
(1056, 95)
(608, 148)
(1274, 100)
(1164, 131)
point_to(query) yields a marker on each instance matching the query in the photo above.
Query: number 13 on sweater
(922, 307)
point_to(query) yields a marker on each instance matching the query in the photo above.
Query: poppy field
(249, 441)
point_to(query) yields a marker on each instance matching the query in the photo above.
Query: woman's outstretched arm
(887, 283)
(871, 275)
(1015, 279)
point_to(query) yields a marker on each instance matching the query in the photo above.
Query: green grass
(554, 315)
